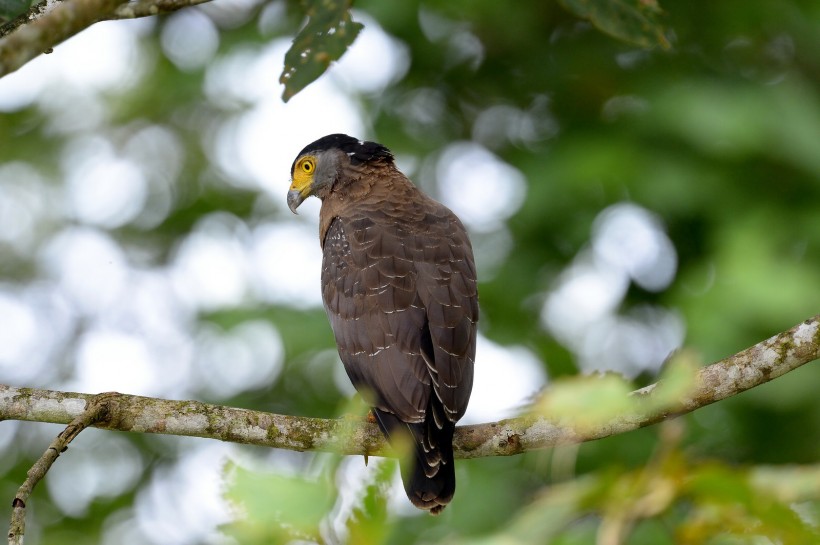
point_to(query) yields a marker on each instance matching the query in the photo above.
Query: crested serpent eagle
(399, 287)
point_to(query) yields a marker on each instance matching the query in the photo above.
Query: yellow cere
(303, 174)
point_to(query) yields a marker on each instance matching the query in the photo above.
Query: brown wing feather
(447, 288)
(382, 284)
(399, 287)
(369, 302)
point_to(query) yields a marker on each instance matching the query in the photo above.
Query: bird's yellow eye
(307, 166)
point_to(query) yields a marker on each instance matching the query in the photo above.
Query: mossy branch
(752, 367)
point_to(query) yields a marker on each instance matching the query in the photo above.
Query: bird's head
(320, 165)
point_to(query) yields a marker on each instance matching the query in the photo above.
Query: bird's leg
(371, 418)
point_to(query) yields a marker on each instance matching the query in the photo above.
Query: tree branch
(63, 21)
(96, 411)
(730, 376)
(127, 10)
(147, 8)
(47, 24)
(37, 10)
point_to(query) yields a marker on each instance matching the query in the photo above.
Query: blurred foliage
(671, 499)
(277, 508)
(589, 402)
(633, 21)
(718, 136)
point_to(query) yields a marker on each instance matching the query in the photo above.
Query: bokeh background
(622, 203)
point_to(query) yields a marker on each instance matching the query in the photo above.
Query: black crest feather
(359, 151)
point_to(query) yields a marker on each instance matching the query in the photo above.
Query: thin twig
(754, 366)
(96, 411)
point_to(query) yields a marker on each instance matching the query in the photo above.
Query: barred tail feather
(429, 476)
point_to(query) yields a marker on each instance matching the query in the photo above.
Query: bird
(400, 291)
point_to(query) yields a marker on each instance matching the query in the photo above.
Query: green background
(717, 136)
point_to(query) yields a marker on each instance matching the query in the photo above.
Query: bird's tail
(428, 473)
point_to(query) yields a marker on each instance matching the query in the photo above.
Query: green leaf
(633, 21)
(278, 508)
(586, 402)
(725, 501)
(368, 521)
(676, 382)
(9, 9)
(548, 514)
(328, 33)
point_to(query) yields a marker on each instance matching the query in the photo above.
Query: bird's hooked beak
(295, 198)
(301, 188)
